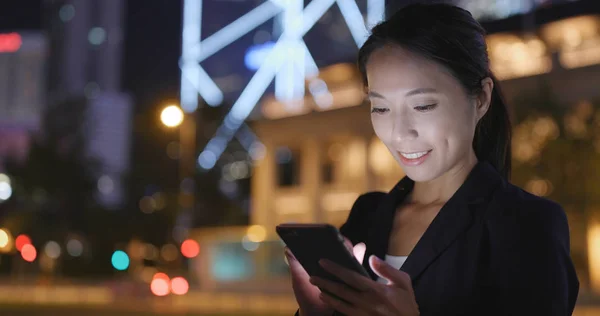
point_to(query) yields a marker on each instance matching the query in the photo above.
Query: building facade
(22, 91)
(318, 159)
(86, 41)
(320, 153)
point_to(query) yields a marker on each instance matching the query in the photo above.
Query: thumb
(394, 276)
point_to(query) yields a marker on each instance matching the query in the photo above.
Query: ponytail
(492, 141)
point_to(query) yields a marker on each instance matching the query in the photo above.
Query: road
(74, 311)
(78, 311)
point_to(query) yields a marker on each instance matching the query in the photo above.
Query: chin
(420, 173)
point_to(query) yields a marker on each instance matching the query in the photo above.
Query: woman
(456, 238)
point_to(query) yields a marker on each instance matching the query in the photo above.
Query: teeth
(414, 155)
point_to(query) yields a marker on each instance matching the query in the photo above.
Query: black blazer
(493, 249)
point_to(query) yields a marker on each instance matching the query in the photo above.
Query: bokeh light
(4, 238)
(147, 204)
(160, 200)
(257, 233)
(190, 248)
(159, 287)
(10, 42)
(4, 178)
(52, 249)
(171, 116)
(106, 185)
(120, 260)
(179, 286)
(169, 252)
(539, 187)
(5, 187)
(28, 252)
(249, 244)
(74, 247)
(67, 12)
(161, 275)
(150, 252)
(5, 191)
(96, 36)
(21, 241)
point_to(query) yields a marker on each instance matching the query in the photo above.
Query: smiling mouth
(414, 155)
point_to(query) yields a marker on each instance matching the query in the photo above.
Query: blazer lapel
(455, 217)
(452, 219)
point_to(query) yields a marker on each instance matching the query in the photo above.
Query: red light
(190, 248)
(28, 252)
(10, 42)
(161, 276)
(179, 286)
(159, 287)
(21, 241)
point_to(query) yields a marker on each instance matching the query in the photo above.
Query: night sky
(152, 43)
(150, 72)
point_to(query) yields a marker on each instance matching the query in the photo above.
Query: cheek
(383, 127)
(446, 130)
(452, 131)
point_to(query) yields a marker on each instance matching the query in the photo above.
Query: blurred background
(148, 148)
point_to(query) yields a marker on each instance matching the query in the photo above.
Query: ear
(484, 99)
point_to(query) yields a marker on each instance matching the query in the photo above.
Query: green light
(120, 260)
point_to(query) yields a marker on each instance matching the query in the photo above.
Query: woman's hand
(363, 296)
(307, 294)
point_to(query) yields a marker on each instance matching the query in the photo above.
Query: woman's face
(422, 113)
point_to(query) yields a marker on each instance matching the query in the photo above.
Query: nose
(404, 129)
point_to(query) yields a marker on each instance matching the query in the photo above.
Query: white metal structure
(289, 62)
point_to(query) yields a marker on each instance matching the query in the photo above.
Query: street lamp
(171, 116)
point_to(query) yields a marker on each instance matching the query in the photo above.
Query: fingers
(340, 305)
(394, 276)
(351, 278)
(338, 289)
(359, 252)
(296, 268)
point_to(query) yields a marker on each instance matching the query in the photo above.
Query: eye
(379, 110)
(425, 108)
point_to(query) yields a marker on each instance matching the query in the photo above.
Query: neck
(441, 189)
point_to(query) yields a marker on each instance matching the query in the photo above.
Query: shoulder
(519, 214)
(361, 214)
(368, 199)
(528, 254)
(366, 204)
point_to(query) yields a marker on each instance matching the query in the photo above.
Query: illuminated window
(496, 9)
(576, 39)
(288, 167)
(514, 56)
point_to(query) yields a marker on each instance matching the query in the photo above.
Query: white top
(394, 261)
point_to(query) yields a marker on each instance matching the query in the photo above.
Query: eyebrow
(373, 94)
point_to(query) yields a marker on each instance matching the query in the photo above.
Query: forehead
(392, 68)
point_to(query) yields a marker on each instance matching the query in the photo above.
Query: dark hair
(451, 37)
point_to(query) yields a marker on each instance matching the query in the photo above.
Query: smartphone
(312, 242)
